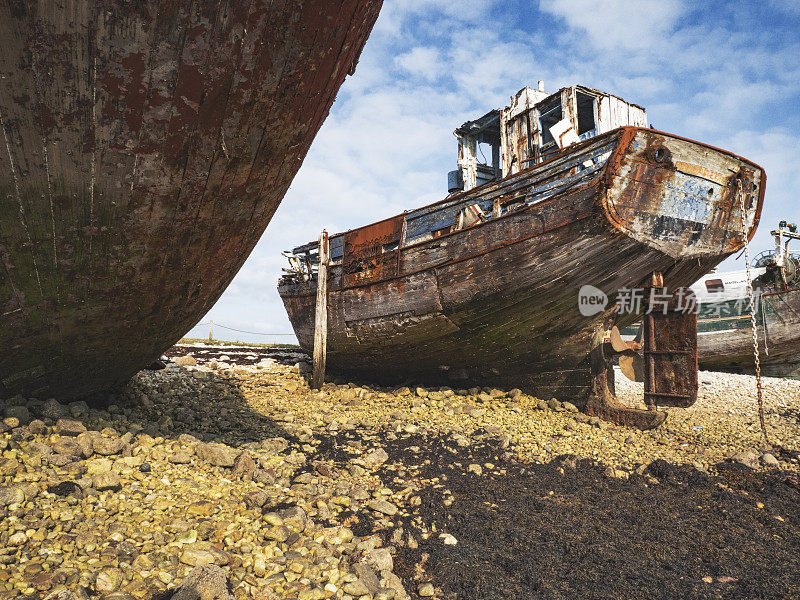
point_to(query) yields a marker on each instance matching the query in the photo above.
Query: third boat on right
(724, 329)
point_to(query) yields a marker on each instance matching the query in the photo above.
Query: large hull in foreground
(498, 301)
(146, 147)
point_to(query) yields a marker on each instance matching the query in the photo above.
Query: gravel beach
(226, 470)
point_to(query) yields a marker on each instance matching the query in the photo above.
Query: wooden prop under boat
(146, 146)
(485, 284)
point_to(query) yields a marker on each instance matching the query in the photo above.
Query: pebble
(426, 590)
(769, 460)
(106, 481)
(69, 427)
(251, 491)
(383, 506)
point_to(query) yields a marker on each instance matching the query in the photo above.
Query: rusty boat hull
(725, 343)
(497, 302)
(146, 147)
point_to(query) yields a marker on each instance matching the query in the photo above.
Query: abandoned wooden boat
(147, 146)
(485, 283)
(724, 331)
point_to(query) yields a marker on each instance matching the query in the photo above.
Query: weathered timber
(730, 348)
(321, 316)
(496, 299)
(725, 335)
(146, 146)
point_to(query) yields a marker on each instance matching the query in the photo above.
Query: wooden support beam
(321, 318)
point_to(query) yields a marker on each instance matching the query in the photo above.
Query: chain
(753, 322)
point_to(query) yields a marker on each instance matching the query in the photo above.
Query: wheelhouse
(534, 127)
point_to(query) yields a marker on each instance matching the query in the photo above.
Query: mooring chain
(753, 321)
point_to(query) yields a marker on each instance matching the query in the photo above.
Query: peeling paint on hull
(499, 300)
(146, 146)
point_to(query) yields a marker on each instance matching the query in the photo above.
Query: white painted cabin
(532, 128)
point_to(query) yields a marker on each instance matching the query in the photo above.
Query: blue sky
(724, 73)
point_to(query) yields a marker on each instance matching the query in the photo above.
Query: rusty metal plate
(372, 253)
(670, 351)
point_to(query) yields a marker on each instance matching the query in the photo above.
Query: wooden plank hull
(730, 348)
(498, 301)
(146, 147)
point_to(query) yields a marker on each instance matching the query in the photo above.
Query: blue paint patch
(687, 198)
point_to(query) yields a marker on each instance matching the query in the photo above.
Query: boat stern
(679, 196)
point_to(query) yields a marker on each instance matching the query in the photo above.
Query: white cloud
(423, 62)
(618, 23)
(432, 64)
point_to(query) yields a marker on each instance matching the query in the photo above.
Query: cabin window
(585, 104)
(715, 285)
(549, 115)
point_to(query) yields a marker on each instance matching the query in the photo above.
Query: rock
(367, 575)
(393, 582)
(195, 557)
(659, 468)
(303, 368)
(569, 406)
(202, 508)
(278, 533)
(294, 518)
(375, 458)
(356, 588)
(448, 540)
(256, 499)
(18, 539)
(475, 468)
(106, 481)
(244, 465)
(20, 413)
(68, 447)
(180, 457)
(769, 460)
(217, 454)
(554, 404)
(426, 590)
(541, 405)
(86, 442)
(206, 582)
(383, 506)
(66, 488)
(185, 361)
(53, 409)
(70, 427)
(380, 559)
(65, 594)
(98, 466)
(11, 495)
(108, 580)
(37, 427)
(108, 446)
(78, 408)
(747, 458)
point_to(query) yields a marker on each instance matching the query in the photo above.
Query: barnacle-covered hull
(498, 301)
(146, 146)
